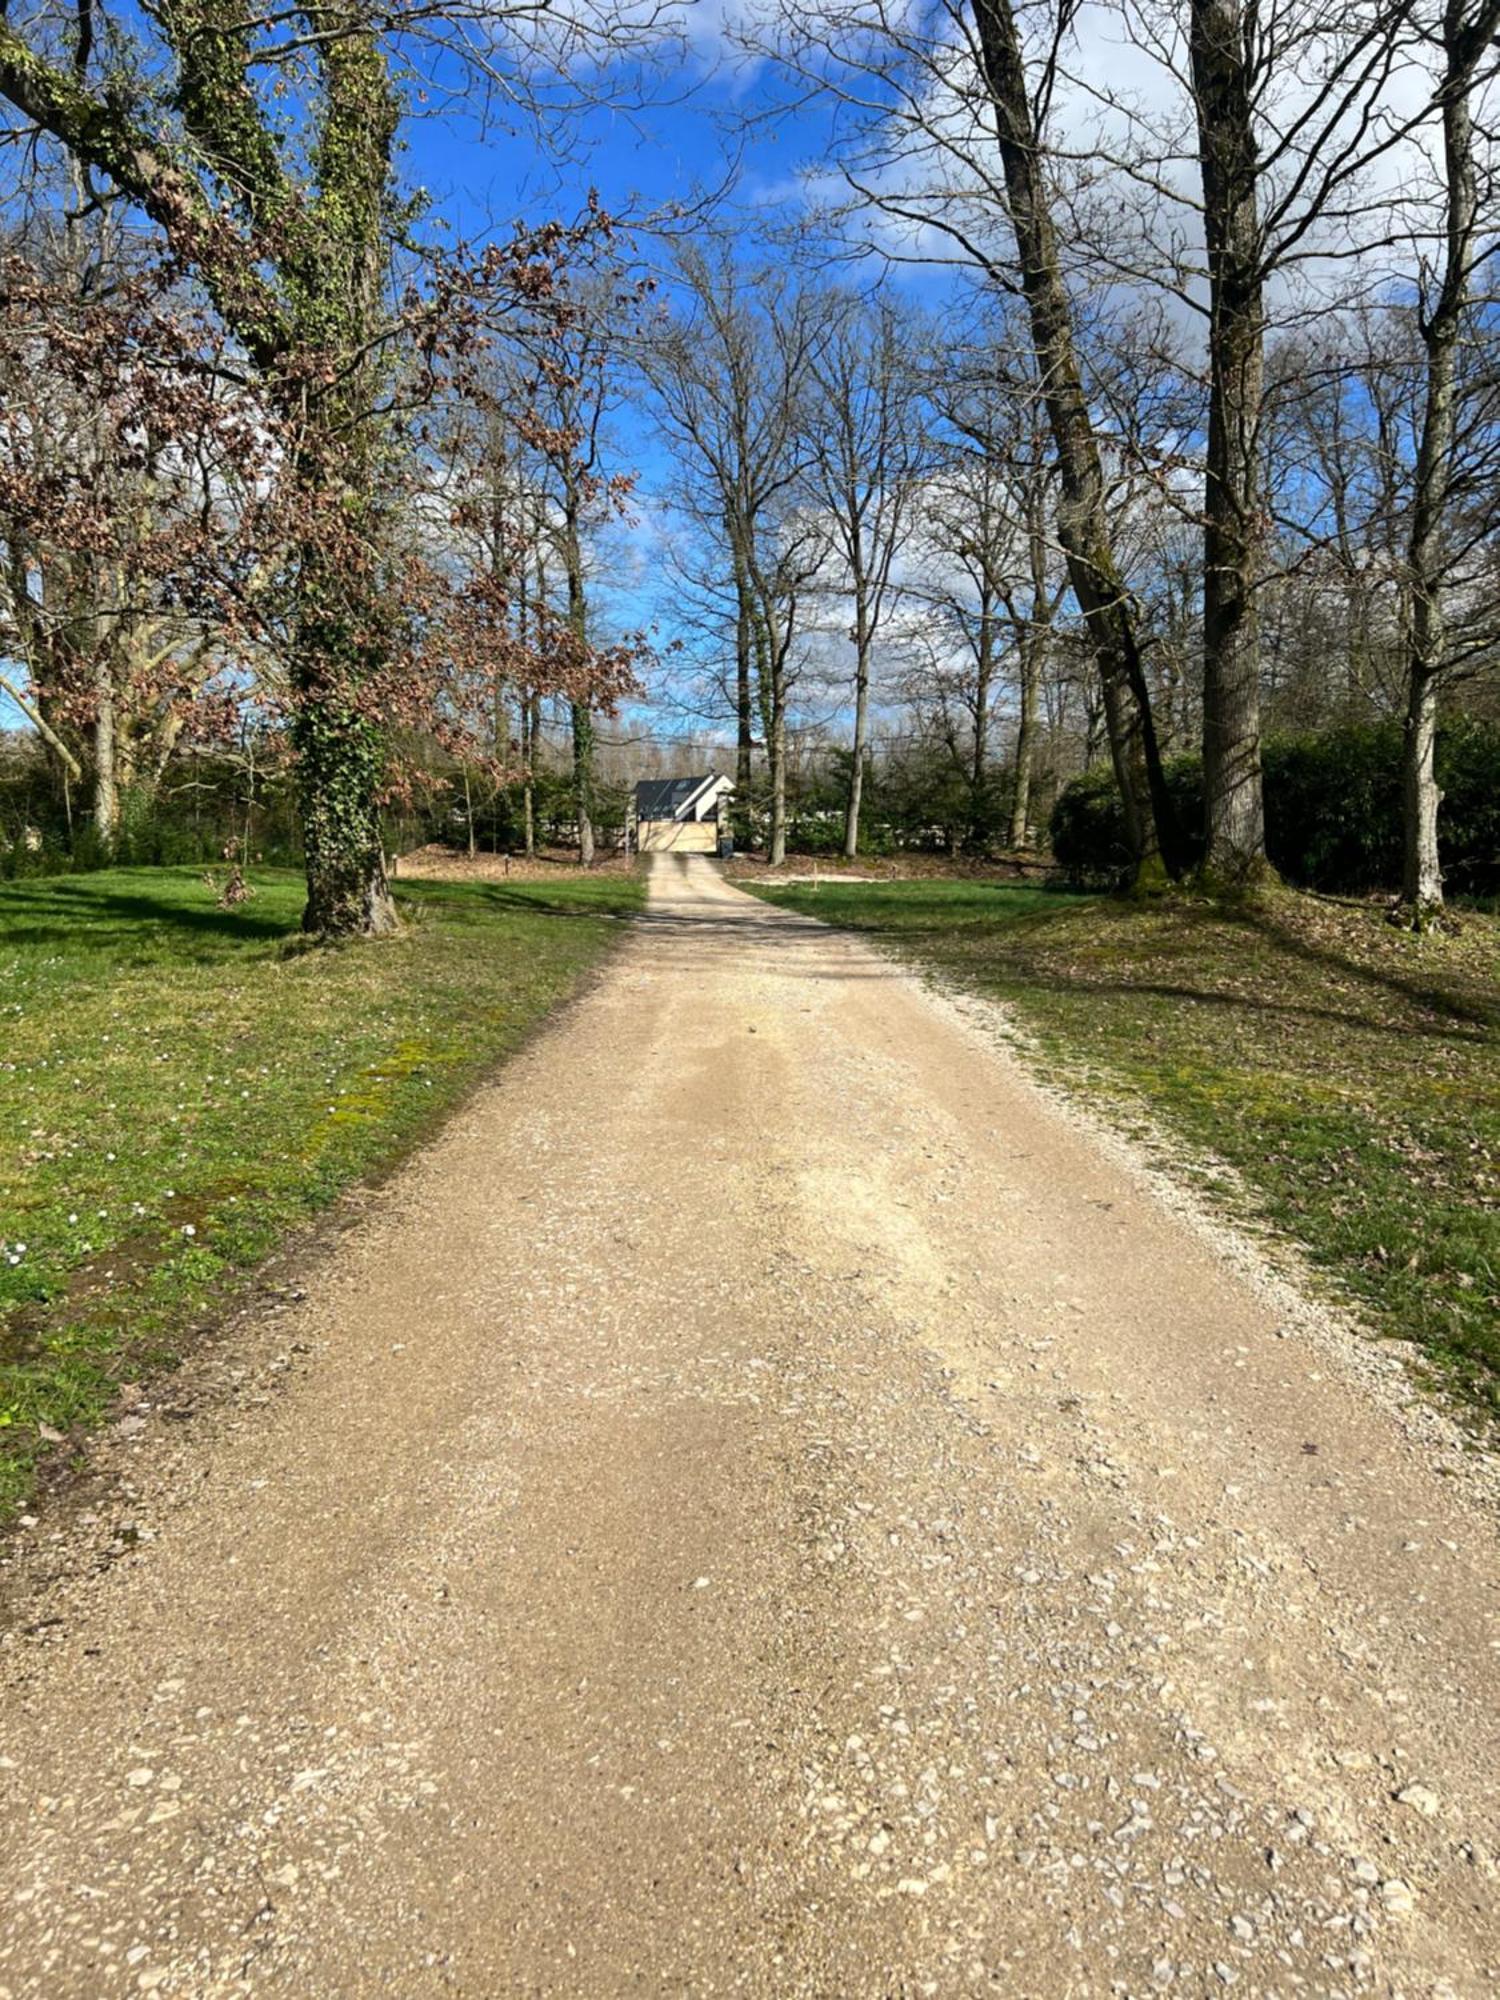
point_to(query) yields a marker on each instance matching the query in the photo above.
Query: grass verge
(178, 1091)
(1348, 1072)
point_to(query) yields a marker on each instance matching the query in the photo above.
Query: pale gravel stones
(1421, 1798)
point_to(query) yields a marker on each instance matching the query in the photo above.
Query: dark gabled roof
(664, 798)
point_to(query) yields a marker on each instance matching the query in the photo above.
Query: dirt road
(766, 1505)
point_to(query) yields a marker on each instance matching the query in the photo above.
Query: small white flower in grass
(188, 1229)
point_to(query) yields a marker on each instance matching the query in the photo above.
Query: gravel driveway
(767, 1504)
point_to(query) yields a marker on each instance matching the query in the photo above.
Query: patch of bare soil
(894, 868)
(435, 863)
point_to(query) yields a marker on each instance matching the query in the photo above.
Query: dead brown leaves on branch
(223, 497)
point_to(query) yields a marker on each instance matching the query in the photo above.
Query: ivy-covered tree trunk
(338, 735)
(340, 752)
(339, 761)
(337, 293)
(295, 262)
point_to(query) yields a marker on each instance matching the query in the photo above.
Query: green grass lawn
(178, 1090)
(1349, 1072)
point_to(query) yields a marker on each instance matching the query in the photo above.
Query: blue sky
(710, 125)
(649, 139)
(641, 158)
(701, 130)
(645, 143)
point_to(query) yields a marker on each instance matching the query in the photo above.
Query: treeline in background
(1037, 430)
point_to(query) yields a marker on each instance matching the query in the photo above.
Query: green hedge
(1333, 811)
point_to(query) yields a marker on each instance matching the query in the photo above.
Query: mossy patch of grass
(179, 1090)
(1348, 1071)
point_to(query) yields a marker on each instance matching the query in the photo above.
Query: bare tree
(1005, 479)
(121, 479)
(987, 562)
(937, 95)
(494, 515)
(1338, 444)
(183, 110)
(1221, 39)
(1295, 120)
(730, 376)
(867, 450)
(576, 358)
(1465, 33)
(962, 566)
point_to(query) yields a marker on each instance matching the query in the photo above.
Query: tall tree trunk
(1421, 870)
(340, 750)
(1082, 519)
(340, 759)
(1235, 830)
(772, 735)
(1034, 638)
(1020, 808)
(106, 759)
(337, 280)
(777, 751)
(530, 732)
(582, 720)
(861, 720)
(984, 676)
(1465, 39)
(530, 706)
(770, 655)
(583, 780)
(744, 705)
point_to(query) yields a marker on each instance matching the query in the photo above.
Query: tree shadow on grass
(479, 898)
(58, 913)
(900, 921)
(1415, 992)
(1426, 1012)
(1051, 981)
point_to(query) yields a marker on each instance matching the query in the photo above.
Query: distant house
(681, 814)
